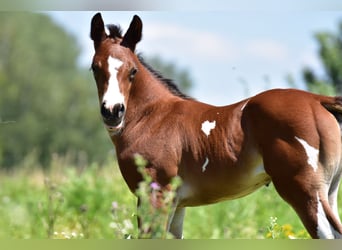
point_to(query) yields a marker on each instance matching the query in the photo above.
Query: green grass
(94, 202)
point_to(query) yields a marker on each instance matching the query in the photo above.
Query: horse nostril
(120, 110)
(114, 115)
(105, 112)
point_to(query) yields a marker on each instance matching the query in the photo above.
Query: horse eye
(132, 73)
(94, 67)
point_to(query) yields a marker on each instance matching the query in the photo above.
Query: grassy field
(94, 202)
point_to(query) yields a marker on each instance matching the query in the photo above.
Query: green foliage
(243, 218)
(276, 231)
(62, 202)
(47, 103)
(154, 220)
(94, 202)
(330, 53)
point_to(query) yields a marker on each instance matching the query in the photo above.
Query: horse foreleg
(158, 214)
(175, 224)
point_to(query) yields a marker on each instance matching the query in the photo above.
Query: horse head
(114, 68)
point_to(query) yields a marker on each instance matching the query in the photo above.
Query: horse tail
(334, 106)
(327, 206)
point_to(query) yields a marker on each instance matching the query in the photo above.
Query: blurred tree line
(48, 103)
(330, 54)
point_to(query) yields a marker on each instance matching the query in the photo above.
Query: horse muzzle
(113, 116)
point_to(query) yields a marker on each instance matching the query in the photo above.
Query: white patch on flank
(208, 126)
(324, 228)
(244, 105)
(311, 152)
(113, 95)
(204, 167)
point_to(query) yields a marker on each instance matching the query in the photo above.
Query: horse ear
(97, 30)
(133, 34)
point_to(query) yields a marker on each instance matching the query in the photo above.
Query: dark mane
(168, 83)
(115, 31)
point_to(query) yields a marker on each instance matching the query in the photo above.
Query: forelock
(115, 31)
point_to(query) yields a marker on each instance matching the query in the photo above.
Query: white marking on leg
(311, 153)
(175, 223)
(324, 229)
(208, 126)
(323, 225)
(113, 95)
(204, 167)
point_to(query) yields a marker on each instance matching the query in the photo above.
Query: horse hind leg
(328, 220)
(301, 185)
(313, 208)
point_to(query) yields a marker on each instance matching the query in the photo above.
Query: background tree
(330, 53)
(48, 103)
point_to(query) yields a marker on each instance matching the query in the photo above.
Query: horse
(289, 137)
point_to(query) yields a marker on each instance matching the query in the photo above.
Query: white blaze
(311, 152)
(113, 95)
(208, 126)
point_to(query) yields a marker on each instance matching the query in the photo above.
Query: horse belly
(252, 181)
(221, 187)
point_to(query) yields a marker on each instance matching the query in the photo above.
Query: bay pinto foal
(287, 136)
